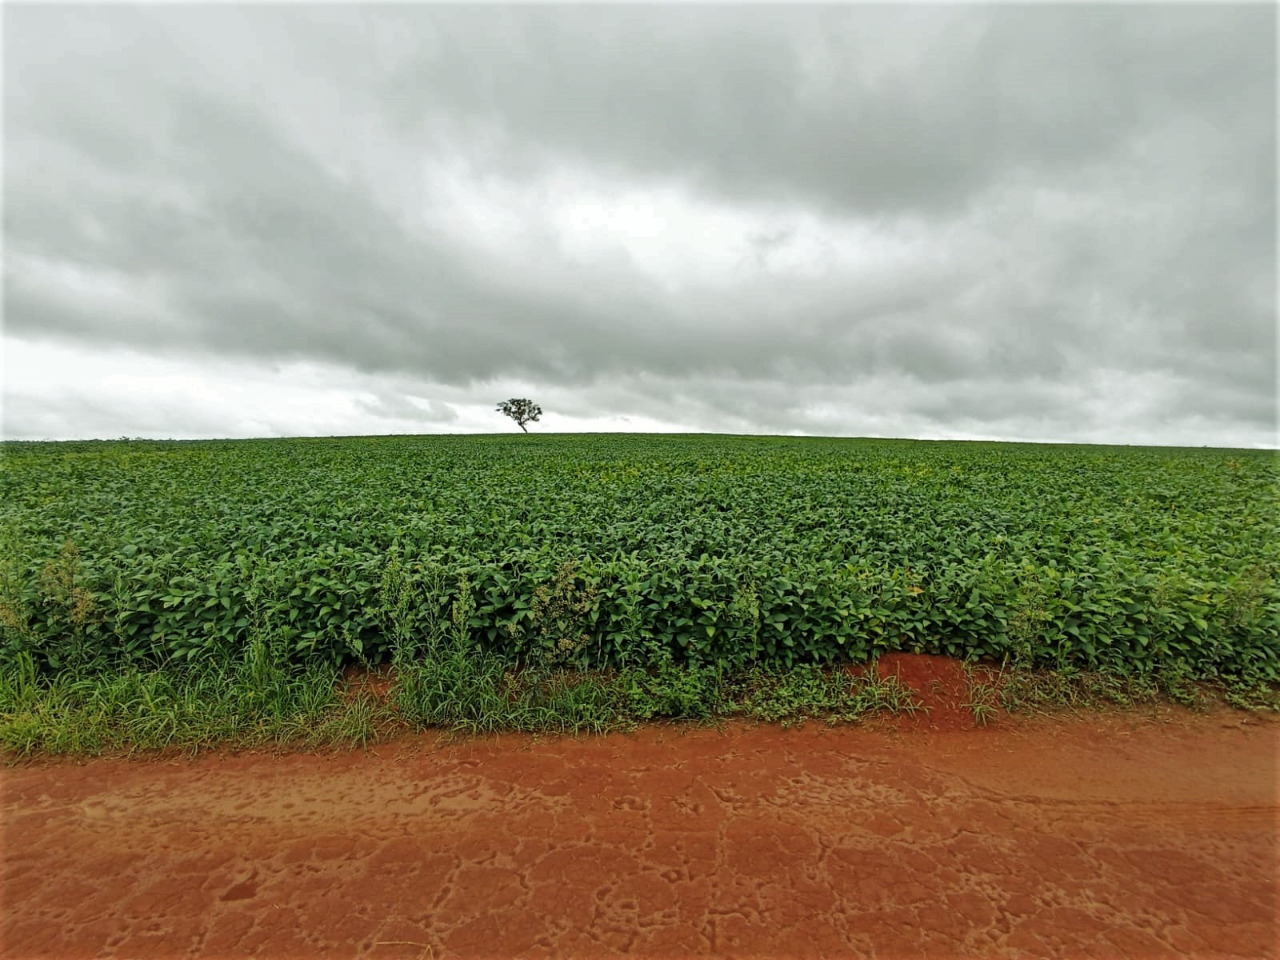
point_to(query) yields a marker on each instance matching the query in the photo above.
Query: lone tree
(521, 411)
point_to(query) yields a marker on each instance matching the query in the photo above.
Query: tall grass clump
(258, 698)
(445, 679)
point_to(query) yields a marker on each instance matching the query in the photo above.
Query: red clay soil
(1147, 834)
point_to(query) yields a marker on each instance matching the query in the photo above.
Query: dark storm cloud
(1046, 202)
(875, 109)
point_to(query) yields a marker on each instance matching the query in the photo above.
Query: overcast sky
(1032, 222)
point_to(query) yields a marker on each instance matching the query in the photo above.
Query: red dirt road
(1128, 835)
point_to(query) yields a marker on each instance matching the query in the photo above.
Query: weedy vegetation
(188, 593)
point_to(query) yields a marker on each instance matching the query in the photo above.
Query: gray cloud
(1002, 210)
(395, 406)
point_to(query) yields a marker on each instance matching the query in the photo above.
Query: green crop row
(590, 551)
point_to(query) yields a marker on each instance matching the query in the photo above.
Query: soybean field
(593, 552)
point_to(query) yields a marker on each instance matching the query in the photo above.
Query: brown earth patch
(941, 687)
(376, 681)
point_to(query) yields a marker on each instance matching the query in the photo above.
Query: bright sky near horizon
(1025, 222)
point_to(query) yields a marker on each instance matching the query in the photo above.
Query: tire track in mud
(1112, 836)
